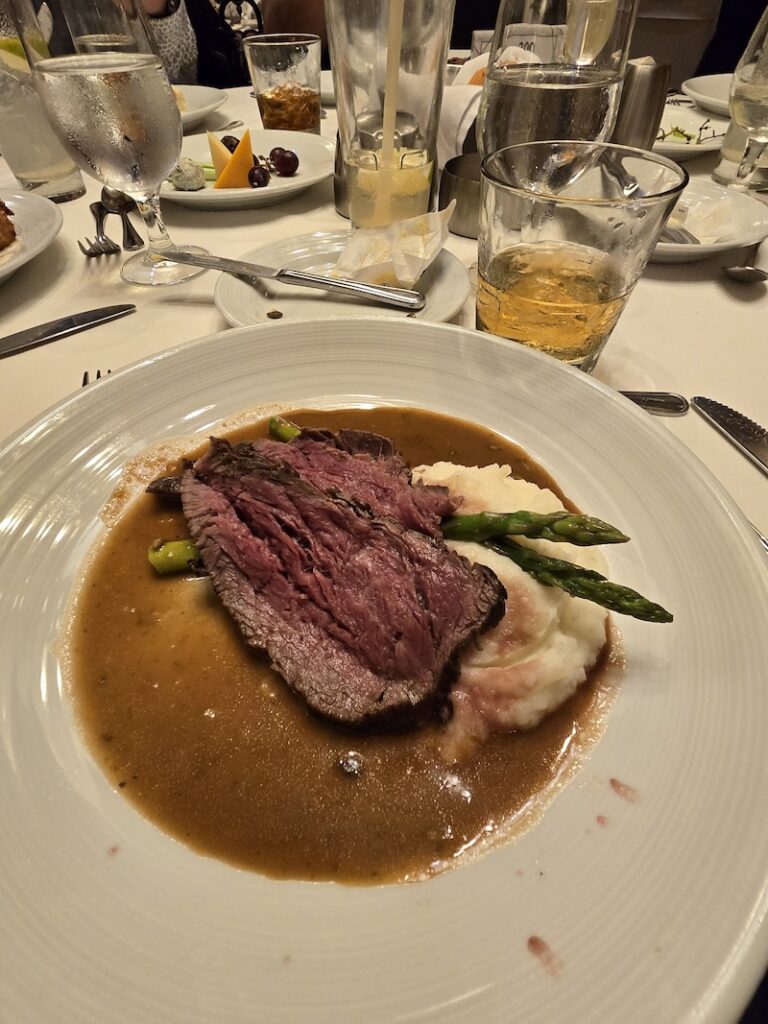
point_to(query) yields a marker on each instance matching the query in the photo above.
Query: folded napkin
(459, 111)
(397, 255)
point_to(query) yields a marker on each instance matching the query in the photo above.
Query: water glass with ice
(555, 70)
(28, 143)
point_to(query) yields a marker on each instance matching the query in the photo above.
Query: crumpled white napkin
(709, 219)
(459, 110)
(397, 255)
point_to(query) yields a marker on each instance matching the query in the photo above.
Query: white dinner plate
(315, 164)
(711, 92)
(704, 132)
(37, 221)
(201, 100)
(656, 913)
(743, 221)
(327, 92)
(445, 285)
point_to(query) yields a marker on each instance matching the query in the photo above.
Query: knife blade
(749, 437)
(384, 295)
(55, 329)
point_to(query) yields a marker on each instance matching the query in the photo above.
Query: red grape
(258, 176)
(230, 142)
(285, 162)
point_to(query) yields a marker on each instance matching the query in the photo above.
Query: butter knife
(60, 328)
(749, 437)
(399, 298)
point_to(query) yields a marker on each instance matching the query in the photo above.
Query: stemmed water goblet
(109, 100)
(749, 100)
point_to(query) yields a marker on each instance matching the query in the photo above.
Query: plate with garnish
(250, 168)
(299, 777)
(686, 132)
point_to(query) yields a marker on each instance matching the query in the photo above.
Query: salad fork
(97, 247)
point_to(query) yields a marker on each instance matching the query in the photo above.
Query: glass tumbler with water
(28, 143)
(110, 101)
(555, 70)
(562, 245)
(388, 58)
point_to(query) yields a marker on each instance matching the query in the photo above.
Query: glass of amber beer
(566, 229)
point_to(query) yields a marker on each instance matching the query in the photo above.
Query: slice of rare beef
(363, 617)
(363, 466)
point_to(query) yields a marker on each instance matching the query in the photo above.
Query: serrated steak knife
(748, 436)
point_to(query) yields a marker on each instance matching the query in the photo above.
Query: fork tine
(86, 375)
(83, 250)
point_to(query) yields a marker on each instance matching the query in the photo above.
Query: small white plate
(710, 92)
(201, 101)
(706, 131)
(37, 221)
(327, 92)
(315, 163)
(748, 224)
(445, 285)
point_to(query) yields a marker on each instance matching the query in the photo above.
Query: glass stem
(755, 149)
(159, 239)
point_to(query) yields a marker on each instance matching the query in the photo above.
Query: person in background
(197, 42)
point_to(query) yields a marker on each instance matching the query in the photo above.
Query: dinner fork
(98, 248)
(99, 212)
(87, 377)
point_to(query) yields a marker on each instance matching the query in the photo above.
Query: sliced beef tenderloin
(363, 466)
(363, 617)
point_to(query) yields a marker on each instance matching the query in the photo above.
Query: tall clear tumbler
(555, 71)
(388, 59)
(27, 141)
(109, 100)
(562, 244)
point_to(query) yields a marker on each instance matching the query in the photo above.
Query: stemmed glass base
(150, 267)
(153, 267)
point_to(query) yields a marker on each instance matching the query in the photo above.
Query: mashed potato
(547, 641)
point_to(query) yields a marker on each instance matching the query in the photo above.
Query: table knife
(60, 328)
(399, 298)
(749, 437)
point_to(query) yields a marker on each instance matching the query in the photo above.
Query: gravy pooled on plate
(211, 745)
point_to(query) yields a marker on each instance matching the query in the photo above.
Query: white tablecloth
(687, 328)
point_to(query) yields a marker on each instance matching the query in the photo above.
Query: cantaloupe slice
(235, 174)
(219, 153)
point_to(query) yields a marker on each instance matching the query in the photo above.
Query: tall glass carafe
(388, 60)
(555, 71)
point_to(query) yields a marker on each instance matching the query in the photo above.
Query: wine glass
(749, 100)
(109, 100)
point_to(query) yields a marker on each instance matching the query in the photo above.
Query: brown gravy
(209, 743)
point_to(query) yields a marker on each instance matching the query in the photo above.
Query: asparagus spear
(557, 526)
(170, 556)
(579, 582)
(282, 429)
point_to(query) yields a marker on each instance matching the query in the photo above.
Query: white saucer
(711, 92)
(201, 101)
(315, 163)
(706, 131)
(445, 285)
(747, 224)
